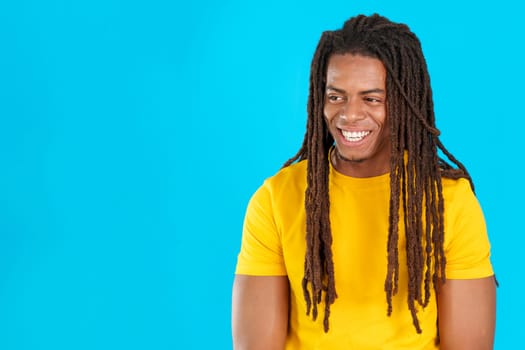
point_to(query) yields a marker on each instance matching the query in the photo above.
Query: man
(366, 239)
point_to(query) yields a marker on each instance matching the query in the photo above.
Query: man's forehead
(345, 71)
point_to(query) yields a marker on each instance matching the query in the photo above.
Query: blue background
(132, 134)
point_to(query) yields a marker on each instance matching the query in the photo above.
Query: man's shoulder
(294, 173)
(458, 194)
(288, 181)
(454, 185)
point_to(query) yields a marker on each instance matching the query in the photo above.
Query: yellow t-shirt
(274, 244)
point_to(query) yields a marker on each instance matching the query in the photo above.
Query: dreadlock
(415, 166)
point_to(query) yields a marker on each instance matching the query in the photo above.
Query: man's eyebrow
(330, 87)
(341, 91)
(372, 91)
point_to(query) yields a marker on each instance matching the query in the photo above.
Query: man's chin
(350, 159)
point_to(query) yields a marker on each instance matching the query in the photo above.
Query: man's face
(355, 112)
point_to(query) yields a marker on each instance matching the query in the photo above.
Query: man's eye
(372, 100)
(335, 98)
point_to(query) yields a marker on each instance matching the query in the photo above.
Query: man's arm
(467, 314)
(260, 312)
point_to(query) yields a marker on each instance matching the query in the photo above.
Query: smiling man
(366, 239)
(355, 113)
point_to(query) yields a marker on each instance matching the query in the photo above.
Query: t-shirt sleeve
(467, 247)
(261, 250)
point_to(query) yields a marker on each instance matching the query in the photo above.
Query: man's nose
(352, 111)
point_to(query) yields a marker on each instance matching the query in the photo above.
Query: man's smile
(354, 136)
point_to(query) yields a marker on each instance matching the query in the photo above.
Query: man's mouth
(354, 136)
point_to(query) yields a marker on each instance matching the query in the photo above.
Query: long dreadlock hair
(415, 166)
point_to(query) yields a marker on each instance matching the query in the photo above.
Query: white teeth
(354, 136)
